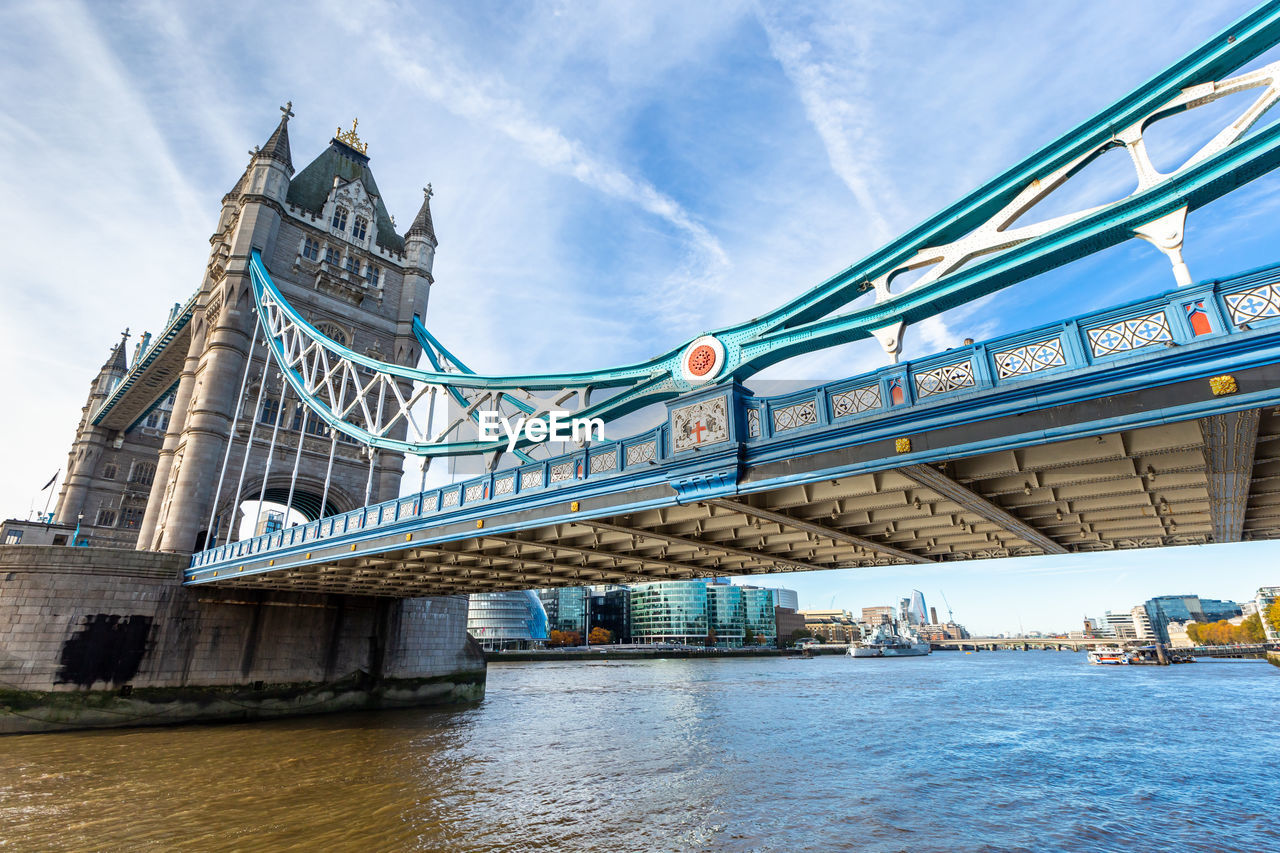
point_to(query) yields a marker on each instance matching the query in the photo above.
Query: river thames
(993, 751)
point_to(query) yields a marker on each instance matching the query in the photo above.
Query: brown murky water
(1008, 751)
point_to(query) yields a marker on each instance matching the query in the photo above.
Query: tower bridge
(995, 450)
(292, 375)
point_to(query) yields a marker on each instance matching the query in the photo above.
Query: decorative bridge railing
(1029, 363)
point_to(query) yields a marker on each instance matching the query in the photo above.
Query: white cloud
(831, 80)
(428, 66)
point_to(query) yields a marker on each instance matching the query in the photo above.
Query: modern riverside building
(725, 615)
(669, 612)
(506, 620)
(760, 615)
(1141, 623)
(1265, 597)
(1186, 608)
(1119, 625)
(566, 608)
(699, 612)
(610, 609)
(785, 598)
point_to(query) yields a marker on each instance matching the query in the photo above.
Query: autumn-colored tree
(1273, 615)
(1223, 633)
(711, 637)
(1251, 628)
(600, 636)
(564, 638)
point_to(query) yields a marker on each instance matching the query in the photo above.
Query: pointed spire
(116, 361)
(243, 180)
(277, 147)
(422, 226)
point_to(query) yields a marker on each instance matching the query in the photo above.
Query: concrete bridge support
(103, 637)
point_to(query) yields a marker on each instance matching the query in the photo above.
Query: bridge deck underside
(1209, 479)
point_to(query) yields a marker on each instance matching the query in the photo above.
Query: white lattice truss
(367, 399)
(1165, 233)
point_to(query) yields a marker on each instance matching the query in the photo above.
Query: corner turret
(113, 369)
(420, 240)
(271, 166)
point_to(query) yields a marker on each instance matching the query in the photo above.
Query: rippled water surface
(994, 751)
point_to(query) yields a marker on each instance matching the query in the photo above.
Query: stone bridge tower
(332, 249)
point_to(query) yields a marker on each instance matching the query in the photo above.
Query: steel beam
(1229, 444)
(760, 556)
(590, 553)
(820, 530)
(931, 478)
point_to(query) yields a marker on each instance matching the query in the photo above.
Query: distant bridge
(1250, 650)
(1028, 643)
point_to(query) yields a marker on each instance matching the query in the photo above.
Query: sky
(610, 179)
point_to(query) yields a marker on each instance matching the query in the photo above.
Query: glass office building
(1186, 608)
(785, 598)
(724, 614)
(759, 615)
(611, 610)
(566, 607)
(691, 612)
(669, 612)
(506, 620)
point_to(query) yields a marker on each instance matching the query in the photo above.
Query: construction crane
(950, 617)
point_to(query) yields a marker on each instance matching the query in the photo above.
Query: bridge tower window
(315, 426)
(359, 228)
(372, 273)
(132, 516)
(310, 249)
(269, 412)
(340, 218)
(332, 332)
(142, 474)
(332, 256)
(106, 518)
(109, 471)
(353, 265)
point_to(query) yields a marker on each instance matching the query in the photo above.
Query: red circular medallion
(701, 360)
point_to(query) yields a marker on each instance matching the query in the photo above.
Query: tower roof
(310, 188)
(422, 226)
(241, 182)
(117, 361)
(277, 147)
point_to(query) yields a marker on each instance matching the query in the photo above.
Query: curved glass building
(506, 620)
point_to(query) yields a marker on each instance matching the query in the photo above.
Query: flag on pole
(51, 479)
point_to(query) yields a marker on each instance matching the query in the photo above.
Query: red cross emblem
(696, 431)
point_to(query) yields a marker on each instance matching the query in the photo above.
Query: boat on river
(890, 640)
(1140, 656)
(1109, 656)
